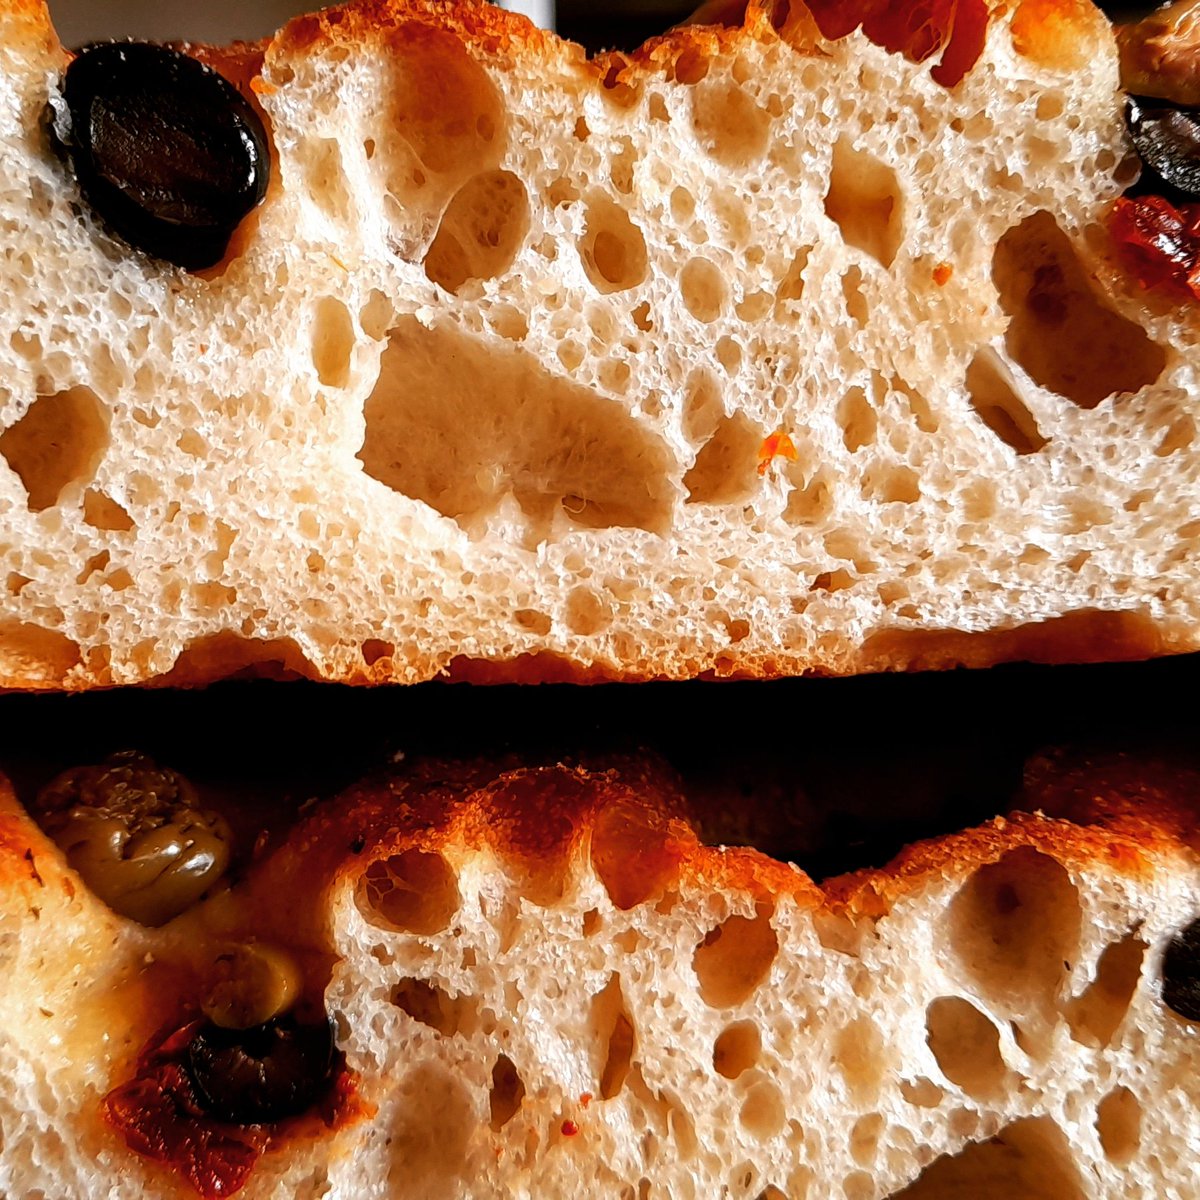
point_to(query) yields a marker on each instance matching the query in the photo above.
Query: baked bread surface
(753, 353)
(566, 993)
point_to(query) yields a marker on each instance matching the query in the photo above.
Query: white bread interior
(547, 1011)
(484, 387)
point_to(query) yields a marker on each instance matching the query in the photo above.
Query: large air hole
(966, 1045)
(103, 512)
(506, 1093)
(703, 289)
(31, 656)
(481, 231)
(429, 1004)
(429, 1139)
(857, 418)
(726, 468)
(860, 1054)
(332, 342)
(993, 395)
(614, 1036)
(865, 201)
(443, 103)
(763, 1113)
(1059, 331)
(892, 484)
(324, 177)
(1096, 1014)
(728, 123)
(612, 248)
(737, 1049)
(634, 853)
(59, 442)
(1119, 1125)
(702, 406)
(460, 425)
(1030, 1160)
(791, 286)
(1015, 927)
(220, 655)
(812, 498)
(735, 957)
(413, 892)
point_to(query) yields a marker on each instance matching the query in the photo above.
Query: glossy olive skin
(166, 151)
(1167, 138)
(250, 983)
(1181, 972)
(137, 835)
(260, 1075)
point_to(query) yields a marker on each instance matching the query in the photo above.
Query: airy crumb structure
(756, 353)
(544, 985)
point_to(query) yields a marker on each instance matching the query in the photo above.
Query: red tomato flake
(159, 1115)
(918, 29)
(775, 445)
(1159, 242)
(942, 273)
(569, 1128)
(585, 1099)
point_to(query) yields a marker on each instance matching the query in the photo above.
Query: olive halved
(250, 983)
(1167, 138)
(136, 834)
(1181, 972)
(165, 149)
(256, 1076)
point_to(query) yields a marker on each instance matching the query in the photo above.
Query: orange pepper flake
(585, 1099)
(569, 1128)
(942, 273)
(775, 445)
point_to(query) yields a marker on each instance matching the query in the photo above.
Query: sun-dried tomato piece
(160, 1115)
(918, 29)
(1159, 242)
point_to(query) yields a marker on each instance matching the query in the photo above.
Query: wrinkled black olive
(259, 1075)
(1181, 973)
(166, 150)
(1167, 138)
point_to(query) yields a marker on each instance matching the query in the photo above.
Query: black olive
(1167, 138)
(1181, 973)
(263, 1074)
(166, 150)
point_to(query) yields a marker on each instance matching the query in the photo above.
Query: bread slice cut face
(542, 983)
(756, 352)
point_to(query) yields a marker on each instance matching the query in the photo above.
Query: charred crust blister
(166, 151)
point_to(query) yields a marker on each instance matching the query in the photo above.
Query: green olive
(136, 834)
(250, 984)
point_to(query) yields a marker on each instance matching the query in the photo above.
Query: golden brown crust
(629, 816)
